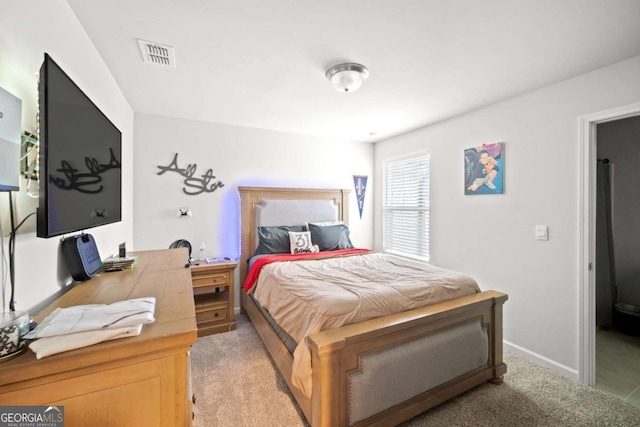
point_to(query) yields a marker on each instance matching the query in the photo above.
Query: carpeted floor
(236, 384)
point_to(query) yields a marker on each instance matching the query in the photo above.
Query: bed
(412, 360)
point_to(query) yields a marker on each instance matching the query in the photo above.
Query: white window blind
(406, 207)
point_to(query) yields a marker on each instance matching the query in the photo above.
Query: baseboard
(542, 361)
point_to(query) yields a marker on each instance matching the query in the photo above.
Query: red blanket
(254, 272)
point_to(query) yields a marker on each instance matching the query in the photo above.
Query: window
(405, 223)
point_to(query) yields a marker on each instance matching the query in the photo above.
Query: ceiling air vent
(156, 53)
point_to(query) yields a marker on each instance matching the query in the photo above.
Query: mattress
(286, 339)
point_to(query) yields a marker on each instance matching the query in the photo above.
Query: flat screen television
(80, 155)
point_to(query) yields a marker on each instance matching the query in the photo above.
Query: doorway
(616, 264)
(587, 256)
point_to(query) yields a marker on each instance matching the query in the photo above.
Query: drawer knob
(216, 315)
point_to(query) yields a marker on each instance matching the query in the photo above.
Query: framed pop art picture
(484, 169)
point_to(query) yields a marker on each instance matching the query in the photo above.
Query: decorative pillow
(330, 237)
(301, 242)
(275, 239)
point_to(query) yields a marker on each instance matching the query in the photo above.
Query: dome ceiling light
(347, 77)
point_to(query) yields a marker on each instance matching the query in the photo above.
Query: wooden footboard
(338, 354)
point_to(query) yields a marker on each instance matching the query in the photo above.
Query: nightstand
(213, 297)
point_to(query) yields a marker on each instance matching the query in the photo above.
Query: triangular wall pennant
(360, 182)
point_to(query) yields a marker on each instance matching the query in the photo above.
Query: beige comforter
(309, 296)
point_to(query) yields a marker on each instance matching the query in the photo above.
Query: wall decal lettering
(193, 185)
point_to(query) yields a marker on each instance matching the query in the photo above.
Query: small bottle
(203, 252)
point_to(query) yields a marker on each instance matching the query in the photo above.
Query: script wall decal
(194, 185)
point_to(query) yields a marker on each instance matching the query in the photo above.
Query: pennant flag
(360, 182)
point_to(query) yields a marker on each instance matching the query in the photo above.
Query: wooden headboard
(292, 206)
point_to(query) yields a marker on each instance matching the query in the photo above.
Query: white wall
(238, 157)
(491, 237)
(30, 28)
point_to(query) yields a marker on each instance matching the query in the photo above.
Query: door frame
(586, 268)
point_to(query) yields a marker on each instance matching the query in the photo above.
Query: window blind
(406, 207)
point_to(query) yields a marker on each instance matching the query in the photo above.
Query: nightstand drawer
(212, 314)
(215, 279)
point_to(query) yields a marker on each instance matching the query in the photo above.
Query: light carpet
(236, 384)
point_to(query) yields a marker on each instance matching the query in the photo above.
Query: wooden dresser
(137, 381)
(213, 294)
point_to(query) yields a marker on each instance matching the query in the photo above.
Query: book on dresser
(117, 263)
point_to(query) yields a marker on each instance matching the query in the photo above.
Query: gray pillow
(275, 239)
(330, 237)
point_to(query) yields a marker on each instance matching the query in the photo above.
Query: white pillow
(301, 242)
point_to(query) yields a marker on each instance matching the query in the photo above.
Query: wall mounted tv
(80, 155)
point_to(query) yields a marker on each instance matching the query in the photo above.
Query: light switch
(542, 232)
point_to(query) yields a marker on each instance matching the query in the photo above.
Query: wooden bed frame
(337, 353)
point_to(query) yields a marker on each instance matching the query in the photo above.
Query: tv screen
(80, 154)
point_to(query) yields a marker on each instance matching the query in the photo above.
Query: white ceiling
(262, 63)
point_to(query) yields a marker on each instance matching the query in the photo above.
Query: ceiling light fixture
(347, 77)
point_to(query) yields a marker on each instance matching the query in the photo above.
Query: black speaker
(81, 254)
(181, 243)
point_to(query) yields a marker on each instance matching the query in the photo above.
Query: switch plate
(542, 232)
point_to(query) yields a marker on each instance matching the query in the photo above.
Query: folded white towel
(96, 317)
(52, 345)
